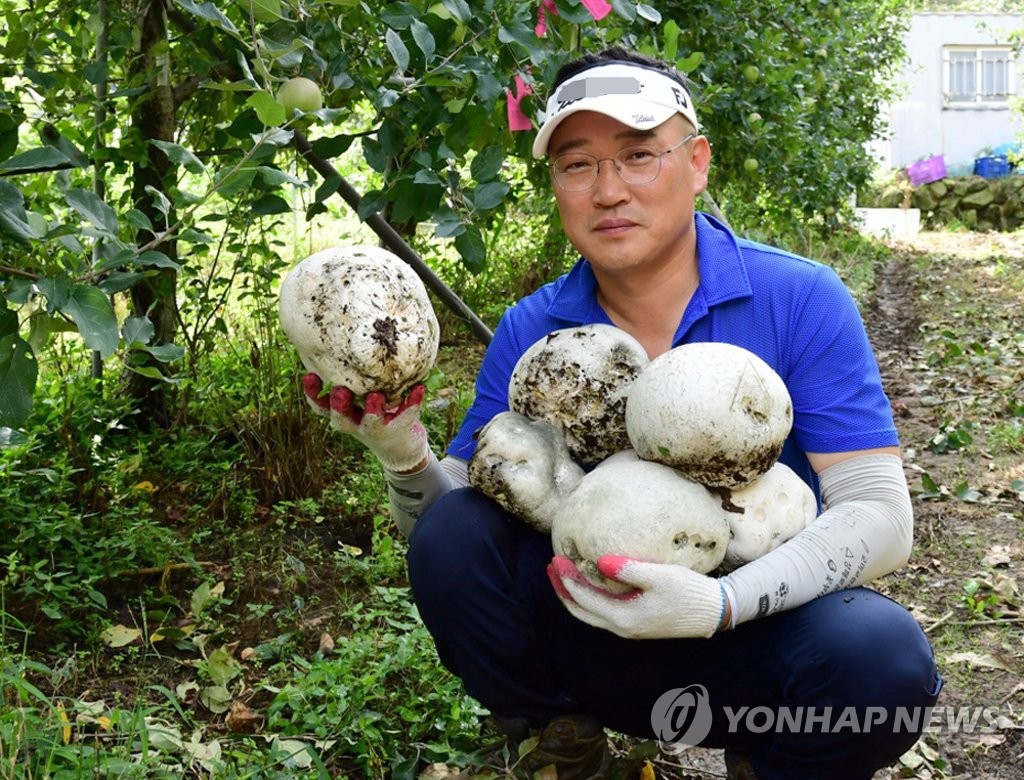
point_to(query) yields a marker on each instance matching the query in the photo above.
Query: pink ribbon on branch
(517, 120)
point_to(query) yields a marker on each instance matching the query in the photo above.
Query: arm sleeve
(866, 531)
(411, 495)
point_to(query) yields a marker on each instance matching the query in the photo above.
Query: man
(793, 632)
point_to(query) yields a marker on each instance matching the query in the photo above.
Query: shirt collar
(723, 277)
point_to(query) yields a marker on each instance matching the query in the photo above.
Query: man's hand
(668, 601)
(396, 436)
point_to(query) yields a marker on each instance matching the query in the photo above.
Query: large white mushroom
(764, 514)
(715, 411)
(625, 506)
(361, 318)
(576, 379)
(525, 466)
(644, 510)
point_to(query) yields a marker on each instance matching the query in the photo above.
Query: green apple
(301, 94)
(752, 73)
(750, 165)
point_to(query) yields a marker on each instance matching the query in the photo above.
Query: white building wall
(920, 125)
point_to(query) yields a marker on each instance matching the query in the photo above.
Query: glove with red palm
(666, 600)
(395, 436)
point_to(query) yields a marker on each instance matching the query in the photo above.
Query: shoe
(738, 767)
(575, 745)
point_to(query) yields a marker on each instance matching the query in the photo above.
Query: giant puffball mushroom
(769, 511)
(576, 379)
(625, 506)
(640, 509)
(715, 411)
(525, 466)
(360, 318)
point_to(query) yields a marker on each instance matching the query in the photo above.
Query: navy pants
(479, 580)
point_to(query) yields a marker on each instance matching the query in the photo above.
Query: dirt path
(947, 323)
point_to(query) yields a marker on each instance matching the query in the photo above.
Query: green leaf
(211, 13)
(119, 281)
(649, 13)
(490, 195)
(327, 187)
(92, 207)
(373, 202)
(487, 164)
(690, 63)
(179, 155)
(966, 493)
(670, 33)
(269, 111)
(56, 289)
(160, 201)
(470, 246)
(930, 488)
(424, 39)
(221, 666)
(397, 47)
(447, 223)
(41, 159)
(166, 353)
(459, 9)
(154, 259)
(270, 204)
(94, 315)
(137, 330)
(8, 322)
(14, 220)
(235, 181)
(18, 372)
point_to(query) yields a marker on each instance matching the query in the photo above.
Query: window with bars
(978, 75)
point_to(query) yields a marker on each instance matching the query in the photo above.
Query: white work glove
(396, 436)
(668, 601)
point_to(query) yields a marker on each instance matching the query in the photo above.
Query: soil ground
(946, 319)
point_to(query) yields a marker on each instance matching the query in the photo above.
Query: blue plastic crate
(992, 167)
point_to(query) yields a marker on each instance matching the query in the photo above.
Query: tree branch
(394, 241)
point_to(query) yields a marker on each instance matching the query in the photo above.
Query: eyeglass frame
(618, 169)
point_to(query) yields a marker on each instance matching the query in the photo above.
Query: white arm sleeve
(411, 494)
(864, 532)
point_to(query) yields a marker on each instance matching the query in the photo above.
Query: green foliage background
(146, 163)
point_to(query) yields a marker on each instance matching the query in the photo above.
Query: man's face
(619, 226)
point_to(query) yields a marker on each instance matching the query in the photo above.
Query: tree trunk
(154, 117)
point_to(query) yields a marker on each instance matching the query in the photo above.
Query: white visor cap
(636, 95)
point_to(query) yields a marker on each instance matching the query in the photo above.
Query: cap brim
(632, 113)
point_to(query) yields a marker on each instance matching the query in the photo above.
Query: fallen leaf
(65, 724)
(979, 661)
(999, 555)
(119, 636)
(326, 643)
(241, 720)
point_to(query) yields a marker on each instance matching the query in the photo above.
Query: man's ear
(700, 162)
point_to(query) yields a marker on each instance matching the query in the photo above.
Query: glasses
(577, 171)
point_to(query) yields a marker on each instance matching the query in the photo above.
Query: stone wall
(978, 203)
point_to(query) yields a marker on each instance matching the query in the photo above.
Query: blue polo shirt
(796, 314)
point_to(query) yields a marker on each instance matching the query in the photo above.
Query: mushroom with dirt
(360, 318)
(624, 506)
(576, 379)
(715, 411)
